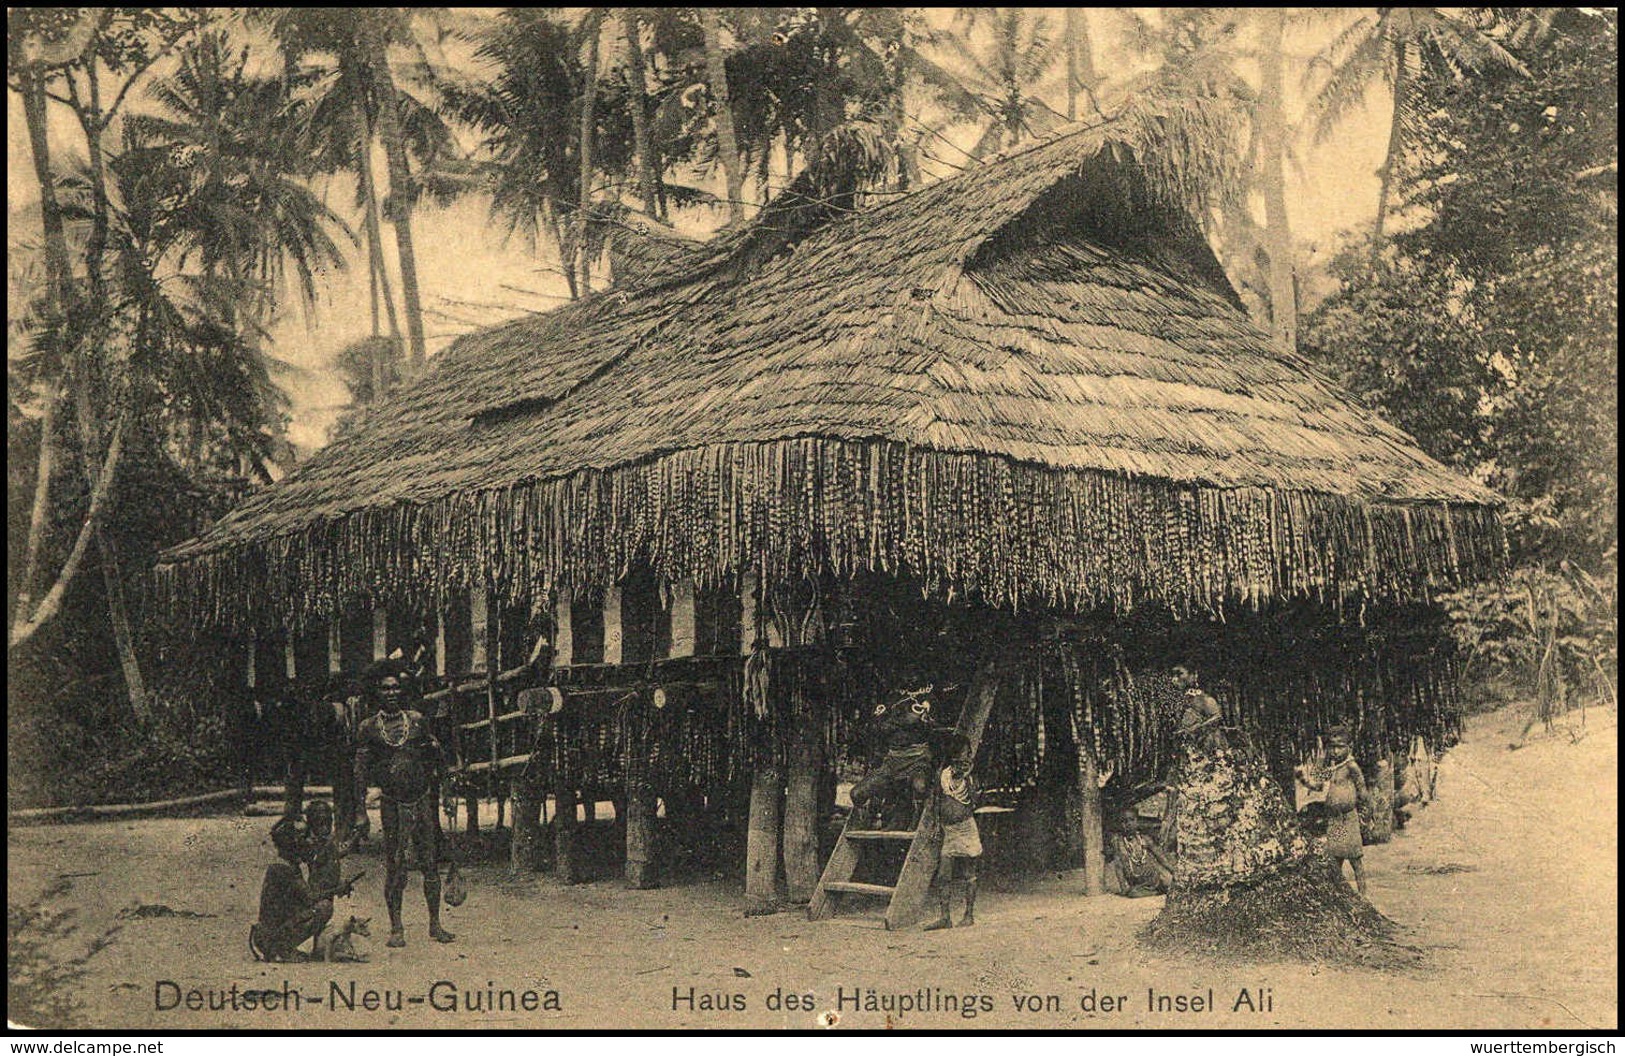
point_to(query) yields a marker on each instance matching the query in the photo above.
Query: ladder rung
(859, 889)
(879, 834)
(501, 764)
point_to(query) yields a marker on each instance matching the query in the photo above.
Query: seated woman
(1138, 867)
(290, 911)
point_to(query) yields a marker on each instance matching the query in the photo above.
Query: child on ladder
(961, 842)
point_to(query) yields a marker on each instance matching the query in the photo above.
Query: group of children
(929, 762)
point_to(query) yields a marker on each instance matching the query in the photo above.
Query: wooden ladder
(906, 897)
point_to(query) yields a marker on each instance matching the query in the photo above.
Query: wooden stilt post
(565, 864)
(762, 839)
(640, 834)
(1380, 786)
(526, 825)
(482, 660)
(802, 864)
(1091, 820)
(564, 834)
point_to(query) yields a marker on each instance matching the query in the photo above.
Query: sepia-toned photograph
(812, 519)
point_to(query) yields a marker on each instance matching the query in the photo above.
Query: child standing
(1345, 794)
(961, 842)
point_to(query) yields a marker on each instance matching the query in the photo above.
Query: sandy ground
(1523, 936)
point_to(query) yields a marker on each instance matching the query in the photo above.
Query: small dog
(340, 946)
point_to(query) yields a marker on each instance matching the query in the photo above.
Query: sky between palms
(470, 279)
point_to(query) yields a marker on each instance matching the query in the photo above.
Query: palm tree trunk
(1395, 143)
(550, 223)
(91, 120)
(716, 72)
(640, 115)
(378, 272)
(28, 624)
(399, 204)
(57, 291)
(589, 122)
(1272, 158)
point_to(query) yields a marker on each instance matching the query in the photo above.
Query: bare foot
(397, 938)
(439, 934)
(938, 924)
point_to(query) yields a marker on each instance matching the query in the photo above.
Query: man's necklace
(395, 728)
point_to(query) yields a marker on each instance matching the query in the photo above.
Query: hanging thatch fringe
(1013, 534)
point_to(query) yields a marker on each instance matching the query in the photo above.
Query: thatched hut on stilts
(1017, 415)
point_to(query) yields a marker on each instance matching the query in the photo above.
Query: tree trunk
(640, 115)
(1395, 144)
(378, 271)
(1080, 62)
(51, 603)
(90, 120)
(1272, 159)
(399, 204)
(762, 838)
(589, 127)
(57, 292)
(1240, 857)
(716, 72)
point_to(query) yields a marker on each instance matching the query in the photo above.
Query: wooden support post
(563, 630)
(801, 859)
(682, 618)
(291, 667)
(335, 661)
(253, 657)
(527, 806)
(1091, 819)
(564, 833)
(1380, 787)
(614, 637)
(380, 633)
(440, 641)
(640, 835)
(747, 613)
(762, 839)
(477, 643)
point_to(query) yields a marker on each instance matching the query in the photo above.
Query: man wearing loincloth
(396, 751)
(905, 732)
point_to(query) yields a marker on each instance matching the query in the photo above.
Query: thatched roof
(1027, 382)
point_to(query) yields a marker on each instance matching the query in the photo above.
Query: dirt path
(1509, 880)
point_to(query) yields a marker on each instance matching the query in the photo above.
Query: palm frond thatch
(1029, 383)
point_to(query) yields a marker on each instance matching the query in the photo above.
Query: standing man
(396, 751)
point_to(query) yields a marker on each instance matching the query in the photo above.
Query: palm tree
(526, 117)
(355, 44)
(1270, 126)
(1001, 79)
(638, 99)
(1391, 45)
(374, 31)
(591, 28)
(716, 71)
